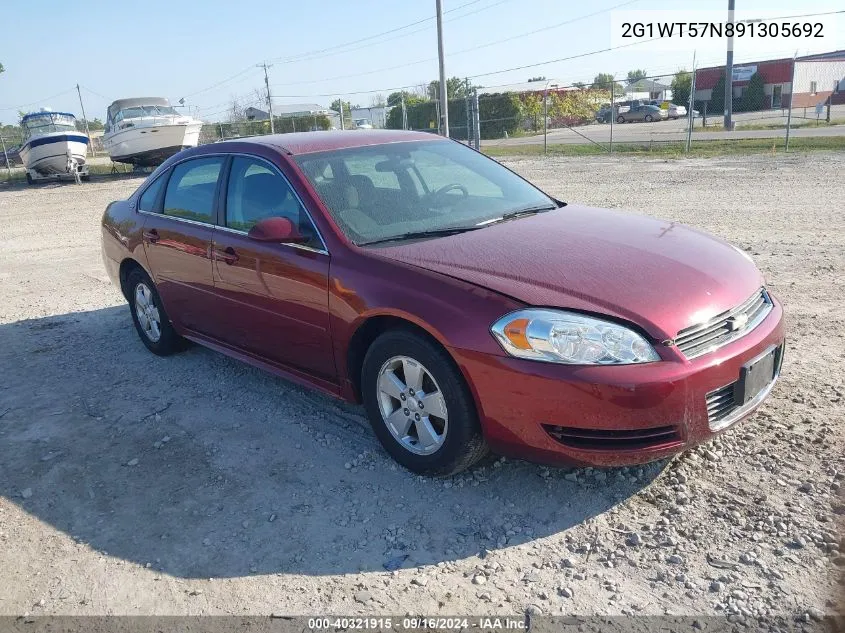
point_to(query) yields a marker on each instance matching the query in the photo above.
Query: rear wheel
(620, 119)
(648, 118)
(151, 321)
(419, 405)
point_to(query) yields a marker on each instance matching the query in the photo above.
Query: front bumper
(611, 416)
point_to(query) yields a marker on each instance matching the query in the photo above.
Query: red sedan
(466, 309)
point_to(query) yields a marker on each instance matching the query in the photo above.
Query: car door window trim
(221, 191)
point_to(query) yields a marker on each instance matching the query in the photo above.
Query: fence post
(612, 109)
(791, 99)
(6, 157)
(476, 120)
(691, 118)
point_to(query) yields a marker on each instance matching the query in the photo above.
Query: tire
(167, 341)
(29, 179)
(620, 119)
(459, 442)
(648, 118)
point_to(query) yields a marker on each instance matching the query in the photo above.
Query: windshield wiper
(518, 213)
(452, 230)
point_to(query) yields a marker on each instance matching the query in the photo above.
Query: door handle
(228, 255)
(151, 236)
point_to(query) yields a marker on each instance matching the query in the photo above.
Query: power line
(306, 56)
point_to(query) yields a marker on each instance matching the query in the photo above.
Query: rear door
(274, 297)
(177, 239)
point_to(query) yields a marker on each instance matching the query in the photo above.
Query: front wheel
(150, 319)
(620, 119)
(419, 405)
(648, 118)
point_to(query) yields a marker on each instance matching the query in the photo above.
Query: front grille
(724, 328)
(601, 439)
(721, 403)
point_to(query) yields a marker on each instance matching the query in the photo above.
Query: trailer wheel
(29, 180)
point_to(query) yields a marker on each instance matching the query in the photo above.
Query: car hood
(661, 275)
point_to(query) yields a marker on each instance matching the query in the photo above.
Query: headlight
(556, 336)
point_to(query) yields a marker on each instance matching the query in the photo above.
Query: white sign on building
(743, 73)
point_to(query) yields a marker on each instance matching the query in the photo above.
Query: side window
(149, 197)
(256, 192)
(190, 191)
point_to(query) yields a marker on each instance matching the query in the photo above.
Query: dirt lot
(133, 484)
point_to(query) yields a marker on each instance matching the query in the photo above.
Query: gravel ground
(195, 484)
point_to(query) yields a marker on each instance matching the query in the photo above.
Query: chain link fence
(789, 104)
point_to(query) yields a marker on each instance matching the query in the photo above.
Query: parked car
(465, 308)
(674, 111)
(604, 113)
(647, 113)
(363, 124)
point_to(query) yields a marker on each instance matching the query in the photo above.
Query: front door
(274, 296)
(777, 96)
(177, 239)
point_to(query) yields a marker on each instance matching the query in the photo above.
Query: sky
(206, 52)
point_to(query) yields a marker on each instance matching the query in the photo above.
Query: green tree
(717, 96)
(347, 112)
(602, 81)
(681, 86)
(395, 98)
(579, 84)
(2, 69)
(635, 75)
(456, 88)
(754, 96)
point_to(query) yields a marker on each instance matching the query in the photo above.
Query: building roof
(646, 85)
(311, 142)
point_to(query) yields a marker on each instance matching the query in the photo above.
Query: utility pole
(444, 96)
(85, 118)
(269, 100)
(729, 72)
(340, 107)
(466, 105)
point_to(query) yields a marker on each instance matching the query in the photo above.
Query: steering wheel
(446, 188)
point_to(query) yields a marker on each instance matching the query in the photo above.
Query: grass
(675, 149)
(779, 125)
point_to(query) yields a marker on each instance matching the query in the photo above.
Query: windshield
(384, 191)
(49, 122)
(147, 110)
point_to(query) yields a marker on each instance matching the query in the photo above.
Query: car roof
(299, 143)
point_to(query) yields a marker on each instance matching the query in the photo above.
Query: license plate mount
(756, 375)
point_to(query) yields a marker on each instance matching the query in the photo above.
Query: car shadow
(201, 466)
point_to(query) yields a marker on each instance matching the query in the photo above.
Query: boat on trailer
(52, 147)
(146, 131)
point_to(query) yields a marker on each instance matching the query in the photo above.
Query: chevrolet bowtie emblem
(738, 322)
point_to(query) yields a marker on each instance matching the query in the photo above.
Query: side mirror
(279, 230)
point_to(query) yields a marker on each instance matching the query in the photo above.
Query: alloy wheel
(412, 406)
(147, 312)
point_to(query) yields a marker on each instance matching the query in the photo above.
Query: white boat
(147, 131)
(52, 146)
